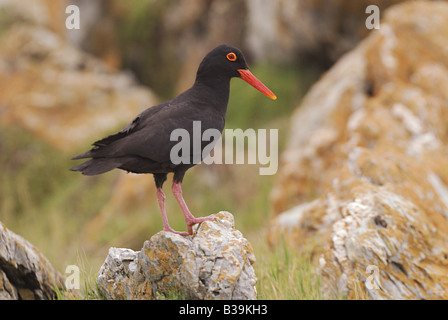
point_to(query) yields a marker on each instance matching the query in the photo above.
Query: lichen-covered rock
(364, 180)
(24, 272)
(214, 263)
(116, 273)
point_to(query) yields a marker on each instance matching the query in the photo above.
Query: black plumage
(144, 146)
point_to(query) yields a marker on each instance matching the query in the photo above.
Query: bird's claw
(169, 229)
(191, 222)
(200, 220)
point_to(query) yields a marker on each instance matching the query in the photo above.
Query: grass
(286, 275)
(51, 207)
(83, 281)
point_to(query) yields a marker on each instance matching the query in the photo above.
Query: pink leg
(189, 218)
(166, 227)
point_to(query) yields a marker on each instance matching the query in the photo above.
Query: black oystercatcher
(144, 146)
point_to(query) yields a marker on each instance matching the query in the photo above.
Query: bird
(144, 145)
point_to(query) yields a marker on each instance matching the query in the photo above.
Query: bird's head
(228, 61)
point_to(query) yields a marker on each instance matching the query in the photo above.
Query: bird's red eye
(231, 56)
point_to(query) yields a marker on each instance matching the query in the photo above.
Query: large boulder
(214, 263)
(364, 179)
(24, 272)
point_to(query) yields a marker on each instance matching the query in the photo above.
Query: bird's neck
(216, 90)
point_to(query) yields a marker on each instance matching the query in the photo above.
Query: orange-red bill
(247, 76)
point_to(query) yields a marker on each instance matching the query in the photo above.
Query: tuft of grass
(174, 292)
(286, 275)
(86, 277)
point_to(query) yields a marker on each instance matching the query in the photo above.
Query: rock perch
(215, 263)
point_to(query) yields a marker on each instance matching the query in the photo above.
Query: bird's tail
(97, 166)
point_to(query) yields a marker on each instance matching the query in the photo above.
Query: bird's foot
(192, 221)
(169, 229)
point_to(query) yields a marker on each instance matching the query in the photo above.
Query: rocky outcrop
(214, 263)
(24, 272)
(364, 180)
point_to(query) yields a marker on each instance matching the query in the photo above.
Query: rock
(364, 180)
(116, 276)
(24, 272)
(215, 263)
